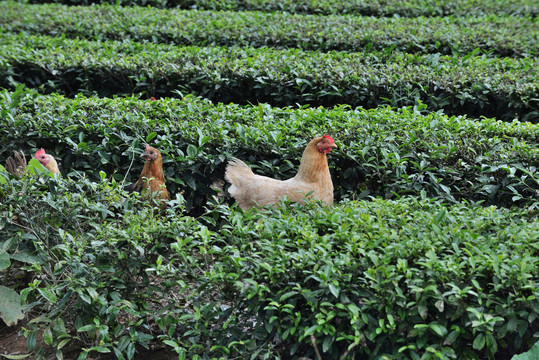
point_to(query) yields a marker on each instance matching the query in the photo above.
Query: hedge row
(405, 8)
(473, 85)
(448, 35)
(382, 279)
(382, 152)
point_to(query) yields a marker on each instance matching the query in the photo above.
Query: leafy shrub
(405, 279)
(383, 152)
(448, 35)
(399, 280)
(410, 8)
(471, 85)
(97, 270)
(93, 249)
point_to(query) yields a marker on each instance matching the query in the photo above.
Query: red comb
(147, 147)
(153, 99)
(328, 137)
(40, 152)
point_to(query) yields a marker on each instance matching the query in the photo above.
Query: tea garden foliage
(430, 251)
(379, 8)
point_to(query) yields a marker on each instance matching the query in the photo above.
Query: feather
(16, 164)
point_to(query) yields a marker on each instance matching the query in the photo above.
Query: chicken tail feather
(16, 164)
(237, 171)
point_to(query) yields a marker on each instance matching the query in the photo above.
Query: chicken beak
(334, 145)
(145, 155)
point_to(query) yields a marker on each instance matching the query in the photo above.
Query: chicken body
(152, 178)
(47, 161)
(313, 179)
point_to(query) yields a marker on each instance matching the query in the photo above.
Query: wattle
(326, 150)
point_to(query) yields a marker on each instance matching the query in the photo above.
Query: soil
(12, 342)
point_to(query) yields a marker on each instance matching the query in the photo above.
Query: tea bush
(407, 279)
(89, 282)
(423, 267)
(447, 35)
(384, 152)
(396, 280)
(472, 85)
(411, 8)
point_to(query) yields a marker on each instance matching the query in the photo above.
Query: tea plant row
(473, 85)
(407, 8)
(405, 280)
(447, 35)
(384, 152)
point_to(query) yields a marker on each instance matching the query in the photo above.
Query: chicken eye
(151, 152)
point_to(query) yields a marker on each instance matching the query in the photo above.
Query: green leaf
(532, 354)
(31, 340)
(190, 181)
(34, 167)
(101, 349)
(326, 345)
(27, 258)
(49, 295)
(10, 306)
(3, 180)
(17, 96)
(438, 329)
(15, 357)
(203, 139)
(334, 290)
(47, 336)
(130, 351)
(310, 330)
(287, 295)
(89, 327)
(93, 293)
(479, 341)
(63, 343)
(192, 150)
(4, 260)
(150, 136)
(440, 216)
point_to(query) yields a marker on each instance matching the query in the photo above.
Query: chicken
(152, 178)
(313, 179)
(16, 164)
(47, 161)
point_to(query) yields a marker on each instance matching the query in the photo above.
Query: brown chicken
(152, 178)
(313, 179)
(47, 161)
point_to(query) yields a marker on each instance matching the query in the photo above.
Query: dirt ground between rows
(12, 342)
